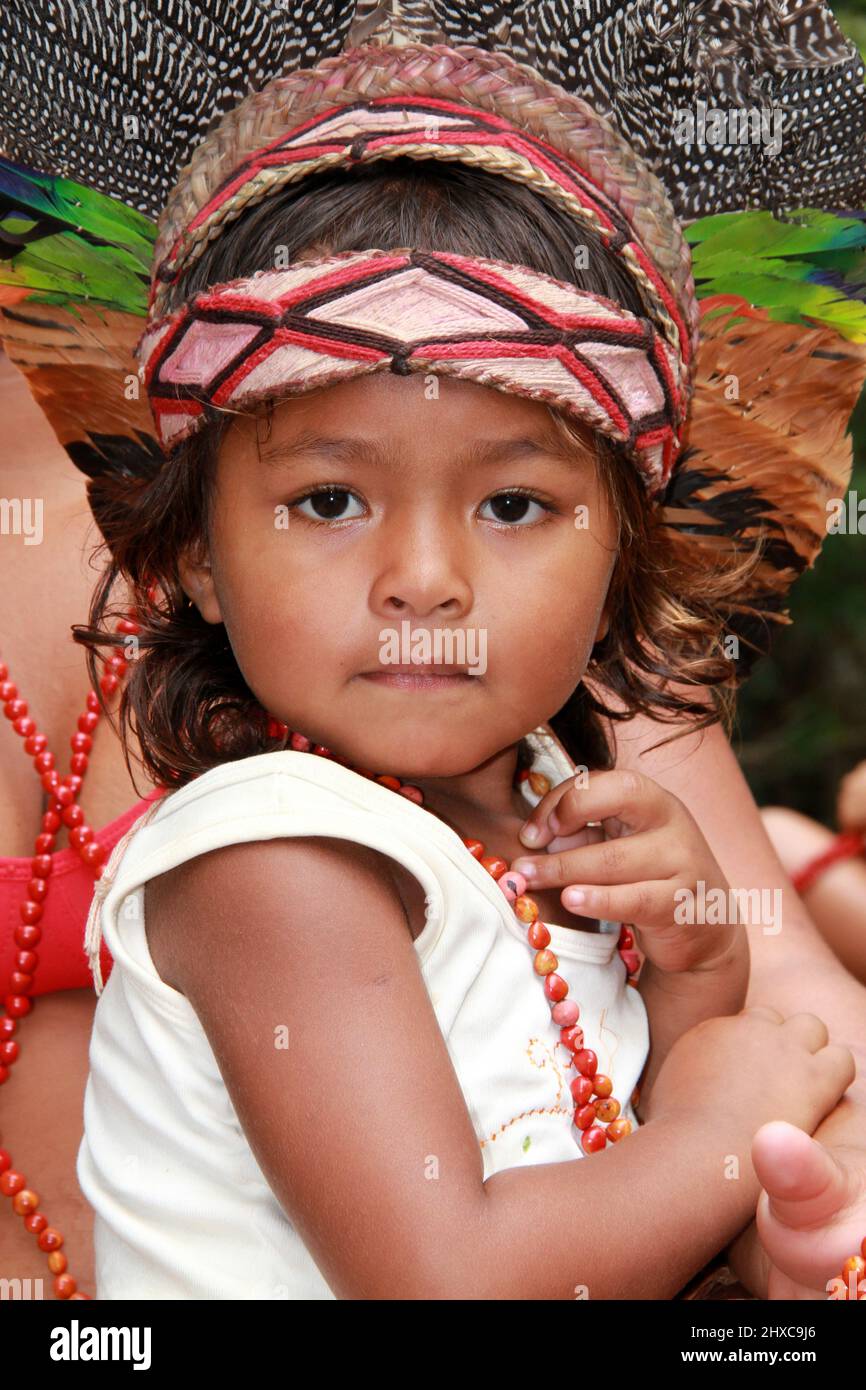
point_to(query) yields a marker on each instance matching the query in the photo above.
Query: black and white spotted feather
(117, 93)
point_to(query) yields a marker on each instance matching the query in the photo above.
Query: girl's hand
(653, 851)
(752, 1068)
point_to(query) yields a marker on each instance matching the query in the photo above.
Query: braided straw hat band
(561, 135)
(388, 128)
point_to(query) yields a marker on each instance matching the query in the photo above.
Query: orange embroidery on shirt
(539, 1110)
(554, 1109)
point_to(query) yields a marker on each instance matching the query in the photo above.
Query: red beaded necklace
(597, 1112)
(63, 809)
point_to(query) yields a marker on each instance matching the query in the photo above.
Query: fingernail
(526, 868)
(531, 834)
(573, 897)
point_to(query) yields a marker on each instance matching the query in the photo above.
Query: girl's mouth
(418, 679)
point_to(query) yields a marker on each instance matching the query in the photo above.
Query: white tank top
(182, 1209)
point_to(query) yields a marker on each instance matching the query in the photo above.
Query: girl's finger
(536, 832)
(629, 796)
(627, 859)
(644, 903)
(589, 835)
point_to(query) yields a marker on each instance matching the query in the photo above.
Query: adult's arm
(793, 970)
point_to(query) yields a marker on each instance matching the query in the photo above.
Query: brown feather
(80, 369)
(783, 439)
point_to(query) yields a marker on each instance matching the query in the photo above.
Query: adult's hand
(811, 1215)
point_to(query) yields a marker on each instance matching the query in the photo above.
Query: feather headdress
(721, 145)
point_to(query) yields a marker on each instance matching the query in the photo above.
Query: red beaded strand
(64, 809)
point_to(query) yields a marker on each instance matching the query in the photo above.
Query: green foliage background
(802, 717)
(851, 16)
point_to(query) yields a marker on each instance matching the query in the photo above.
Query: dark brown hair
(185, 696)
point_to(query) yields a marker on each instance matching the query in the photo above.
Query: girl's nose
(423, 598)
(423, 574)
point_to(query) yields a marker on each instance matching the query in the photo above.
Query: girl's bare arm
(360, 1125)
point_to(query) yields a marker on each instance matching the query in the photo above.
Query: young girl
(337, 1028)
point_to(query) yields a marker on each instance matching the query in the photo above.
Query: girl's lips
(404, 680)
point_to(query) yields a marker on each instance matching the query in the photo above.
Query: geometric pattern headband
(279, 333)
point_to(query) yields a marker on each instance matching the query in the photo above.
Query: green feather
(779, 266)
(85, 247)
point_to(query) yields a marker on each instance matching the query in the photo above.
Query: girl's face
(393, 519)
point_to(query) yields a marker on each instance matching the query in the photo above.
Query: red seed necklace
(64, 809)
(597, 1114)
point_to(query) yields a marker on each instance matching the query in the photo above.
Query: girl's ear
(603, 622)
(196, 577)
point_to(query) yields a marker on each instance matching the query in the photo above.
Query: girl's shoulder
(272, 796)
(284, 793)
(289, 794)
(304, 786)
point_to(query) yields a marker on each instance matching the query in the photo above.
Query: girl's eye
(511, 507)
(328, 504)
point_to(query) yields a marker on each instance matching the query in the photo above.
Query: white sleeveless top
(182, 1209)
